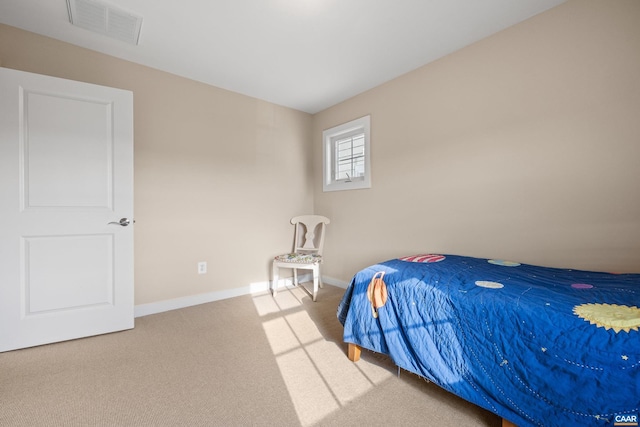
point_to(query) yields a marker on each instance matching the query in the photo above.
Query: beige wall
(524, 146)
(217, 174)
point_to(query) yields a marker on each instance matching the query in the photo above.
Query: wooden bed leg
(506, 423)
(354, 352)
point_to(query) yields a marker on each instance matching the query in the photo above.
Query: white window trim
(329, 183)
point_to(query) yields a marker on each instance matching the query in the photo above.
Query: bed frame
(355, 351)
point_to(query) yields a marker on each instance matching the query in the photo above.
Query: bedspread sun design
(514, 338)
(610, 316)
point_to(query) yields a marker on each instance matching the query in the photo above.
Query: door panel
(66, 172)
(51, 174)
(54, 259)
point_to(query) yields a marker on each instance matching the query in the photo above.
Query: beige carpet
(245, 361)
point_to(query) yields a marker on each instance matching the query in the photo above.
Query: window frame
(329, 158)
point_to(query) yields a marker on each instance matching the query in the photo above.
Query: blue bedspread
(537, 346)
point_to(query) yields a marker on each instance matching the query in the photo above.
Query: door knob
(123, 222)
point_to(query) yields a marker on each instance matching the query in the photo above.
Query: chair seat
(299, 258)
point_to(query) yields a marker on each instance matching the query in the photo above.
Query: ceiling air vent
(105, 19)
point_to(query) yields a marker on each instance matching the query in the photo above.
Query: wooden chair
(308, 241)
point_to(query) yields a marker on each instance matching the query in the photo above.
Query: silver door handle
(123, 222)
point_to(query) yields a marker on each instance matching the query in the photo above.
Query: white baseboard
(188, 301)
(255, 288)
(335, 282)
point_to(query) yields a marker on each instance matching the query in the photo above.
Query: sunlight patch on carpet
(330, 379)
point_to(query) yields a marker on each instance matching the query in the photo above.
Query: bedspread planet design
(514, 338)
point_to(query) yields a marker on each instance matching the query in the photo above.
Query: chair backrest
(309, 234)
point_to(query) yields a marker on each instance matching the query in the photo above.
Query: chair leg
(274, 280)
(315, 283)
(295, 277)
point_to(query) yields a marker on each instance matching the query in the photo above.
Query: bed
(537, 346)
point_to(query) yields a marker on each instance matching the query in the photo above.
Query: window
(346, 156)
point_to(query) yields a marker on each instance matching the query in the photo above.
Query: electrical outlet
(202, 267)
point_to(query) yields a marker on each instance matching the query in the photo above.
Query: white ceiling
(303, 54)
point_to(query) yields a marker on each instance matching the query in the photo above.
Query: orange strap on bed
(377, 293)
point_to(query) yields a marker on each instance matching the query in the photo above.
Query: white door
(66, 172)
